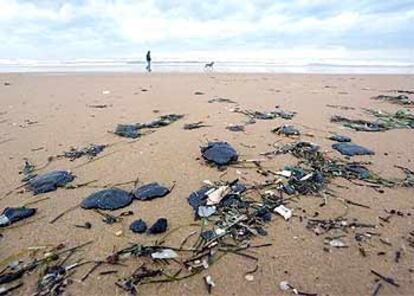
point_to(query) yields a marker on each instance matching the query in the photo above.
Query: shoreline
(189, 73)
(229, 68)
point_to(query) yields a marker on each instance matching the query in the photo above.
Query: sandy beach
(43, 115)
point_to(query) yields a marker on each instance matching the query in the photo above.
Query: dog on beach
(209, 66)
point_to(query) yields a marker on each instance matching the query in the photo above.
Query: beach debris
(402, 91)
(359, 124)
(107, 199)
(283, 211)
(287, 130)
(86, 225)
(28, 170)
(386, 279)
(235, 215)
(285, 173)
(134, 130)
(208, 235)
(304, 181)
(131, 283)
(285, 114)
(299, 149)
(150, 191)
(286, 286)
(194, 125)
(402, 118)
(377, 289)
(108, 218)
(6, 83)
(209, 283)
(235, 128)
(12, 215)
(340, 139)
(399, 99)
(138, 226)
(236, 219)
(128, 130)
(397, 256)
(352, 149)
(214, 196)
(323, 226)
(198, 198)
(221, 100)
(99, 106)
(106, 272)
(341, 107)
(206, 211)
(54, 280)
(337, 243)
(6, 291)
(160, 226)
(60, 215)
(49, 181)
(28, 123)
(198, 93)
(8, 277)
(55, 276)
(90, 151)
(315, 170)
(408, 181)
(267, 115)
(162, 121)
(164, 254)
(219, 153)
(106, 92)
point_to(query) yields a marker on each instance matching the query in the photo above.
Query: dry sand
(59, 105)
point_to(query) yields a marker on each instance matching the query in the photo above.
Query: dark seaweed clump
(107, 199)
(219, 153)
(50, 181)
(150, 191)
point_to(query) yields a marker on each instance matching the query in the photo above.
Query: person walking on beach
(148, 61)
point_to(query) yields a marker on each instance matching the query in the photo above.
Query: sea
(196, 66)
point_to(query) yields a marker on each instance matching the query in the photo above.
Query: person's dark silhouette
(148, 61)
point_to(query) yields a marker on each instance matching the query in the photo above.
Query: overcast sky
(57, 29)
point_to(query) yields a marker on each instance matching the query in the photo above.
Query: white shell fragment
(219, 231)
(337, 243)
(208, 182)
(283, 211)
(270, 193)
(206, 211)
(205, 264)
(306, 177)
(284, 173)
(4, 220)
(216, 195)
(209, 281)
(284, 286)
(164, 254)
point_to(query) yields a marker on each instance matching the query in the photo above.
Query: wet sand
(58, 104)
